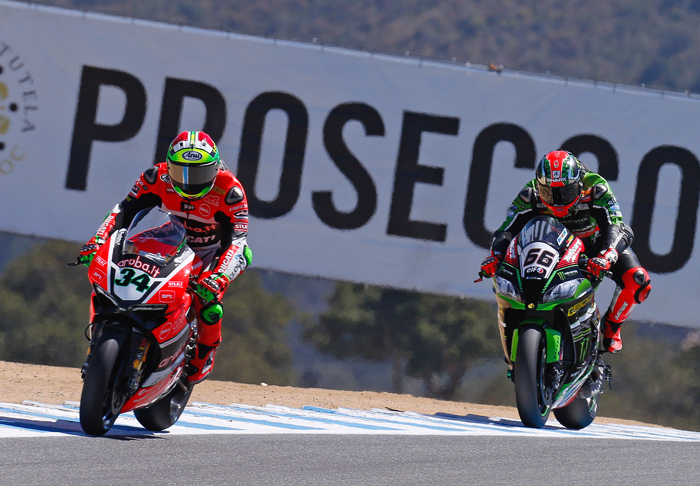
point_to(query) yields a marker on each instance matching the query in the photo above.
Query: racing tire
(579, 413)
(101, 401)
(165, 411)
(530, 360)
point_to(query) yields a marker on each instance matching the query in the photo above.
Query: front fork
(139, 346)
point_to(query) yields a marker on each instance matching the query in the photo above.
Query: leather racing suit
(597, 220)
(217, 228)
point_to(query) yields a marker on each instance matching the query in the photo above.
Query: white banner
(362, 167)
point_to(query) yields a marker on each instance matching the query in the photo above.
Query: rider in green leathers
(583, 201)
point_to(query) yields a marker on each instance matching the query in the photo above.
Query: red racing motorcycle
(142, 332)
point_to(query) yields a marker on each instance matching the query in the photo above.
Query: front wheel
(165, 412)
(102, 400)
(579, 413)
(530, 360)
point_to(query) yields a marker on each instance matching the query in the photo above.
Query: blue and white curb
(32, 419)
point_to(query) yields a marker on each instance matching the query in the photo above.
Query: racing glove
(602, 263)
(490, 265)
(212, 287)
(89, 250)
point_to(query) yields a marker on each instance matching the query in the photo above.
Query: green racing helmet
(193, 163)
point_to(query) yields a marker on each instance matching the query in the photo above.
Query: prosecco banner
(362, 167)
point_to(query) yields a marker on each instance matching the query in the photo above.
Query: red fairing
(512, 253)
(98, 272)
(174, 292)
(145, 396)
(171, 290)
(572, 253)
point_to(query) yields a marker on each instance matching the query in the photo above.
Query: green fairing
(553, 345)
(553, 341)
(583, 287)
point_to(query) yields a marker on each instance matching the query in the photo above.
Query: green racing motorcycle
(550, 326)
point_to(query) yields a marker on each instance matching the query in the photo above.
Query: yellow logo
(577, 307)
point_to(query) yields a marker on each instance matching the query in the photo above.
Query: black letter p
(85, 128)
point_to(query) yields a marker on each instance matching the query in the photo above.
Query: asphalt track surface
(241, 445)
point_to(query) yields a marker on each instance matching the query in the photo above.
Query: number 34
(128, 277)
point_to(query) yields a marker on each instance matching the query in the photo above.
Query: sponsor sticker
(98, 276)
(166, 296)
(165, 332)
(151, 269)
(192, 156)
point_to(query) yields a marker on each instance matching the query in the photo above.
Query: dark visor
(559, 196)
(192, 179)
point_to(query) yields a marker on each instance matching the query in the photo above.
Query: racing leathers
(597, 220)
(217, 228)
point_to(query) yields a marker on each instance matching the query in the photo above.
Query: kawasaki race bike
(142, 333)
(550, 326)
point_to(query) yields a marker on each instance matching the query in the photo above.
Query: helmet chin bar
(562, 211)
(192, 197)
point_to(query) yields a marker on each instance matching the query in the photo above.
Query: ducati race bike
(142, 330)
(550, 326)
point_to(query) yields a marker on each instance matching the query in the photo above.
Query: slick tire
(166, 411)
(578, 414)
(100, 402)
(529, 383)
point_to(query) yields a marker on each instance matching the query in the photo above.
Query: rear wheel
(530, 361)
(101, 400)
(579, 413)
(165, 412)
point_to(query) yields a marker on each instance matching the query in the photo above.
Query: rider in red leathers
(194, 185)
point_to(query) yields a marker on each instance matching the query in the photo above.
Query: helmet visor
(192, 179)
(559, 196)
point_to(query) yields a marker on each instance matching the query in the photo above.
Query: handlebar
(582, 264)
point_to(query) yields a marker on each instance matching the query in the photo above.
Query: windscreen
(155, 234)
(544, 229)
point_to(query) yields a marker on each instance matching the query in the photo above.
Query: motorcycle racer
(583, 201)
(194, 185)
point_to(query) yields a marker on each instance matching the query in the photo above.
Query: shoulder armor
(526, 194)
(151, 175)
(234, 195)
(599, 190)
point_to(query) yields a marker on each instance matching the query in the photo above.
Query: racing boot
(201, 364)
(612, 340)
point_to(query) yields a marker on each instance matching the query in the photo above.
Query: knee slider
(212, 313)
(640, 282)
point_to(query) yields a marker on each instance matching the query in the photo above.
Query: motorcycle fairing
(570, 320)
(554, 349)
